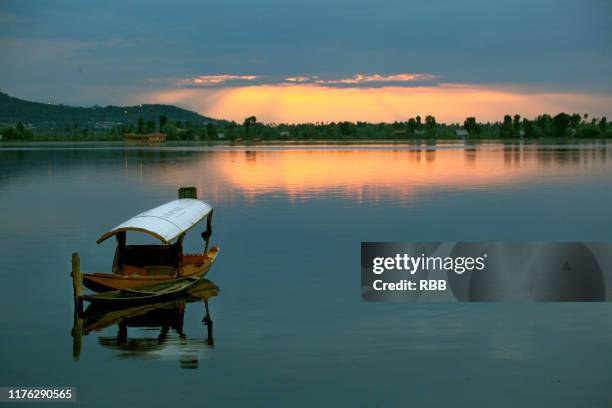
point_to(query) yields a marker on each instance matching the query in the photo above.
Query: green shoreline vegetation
(34, 121)
(561, 126)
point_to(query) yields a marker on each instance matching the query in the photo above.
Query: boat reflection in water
(170, 342)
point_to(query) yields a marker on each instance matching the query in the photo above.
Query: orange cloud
(316, 103)
(298, 79)
(215, 79)
(364, 79)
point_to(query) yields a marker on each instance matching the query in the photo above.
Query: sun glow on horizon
(450, 103)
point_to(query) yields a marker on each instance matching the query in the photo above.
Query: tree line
(562, 125)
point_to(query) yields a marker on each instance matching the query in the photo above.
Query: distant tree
(179, 124)
(346, 128)
(603, 124)
(8, 133)
(249, 126)
(430, 121)
(412, 125)
(575, 120)
(162, 121)
(188, 134)
(472, 126)
(19, 132)
(528, 128)
(506, 127)
(516, 124)
(589, 131)
(544, 123)
(141, 125)
(430, 125)
(150, 126)
(418, 122)
(560, 124)
(170, 130)
(211, 130)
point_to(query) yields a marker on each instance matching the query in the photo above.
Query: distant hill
(50, 116)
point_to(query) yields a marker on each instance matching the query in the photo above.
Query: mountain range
(52, 116)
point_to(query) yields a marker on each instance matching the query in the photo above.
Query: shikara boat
(138, 265)
(146, 293)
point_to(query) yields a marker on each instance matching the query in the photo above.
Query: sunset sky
(286, 61)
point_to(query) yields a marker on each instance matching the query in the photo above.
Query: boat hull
(156, 291)
(103, 282)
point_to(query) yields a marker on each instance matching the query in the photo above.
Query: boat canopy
(166, 222)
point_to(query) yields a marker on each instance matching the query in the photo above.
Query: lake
(290, 327)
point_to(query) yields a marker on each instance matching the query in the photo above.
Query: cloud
(379, 41)
(354, 80)
(298, 79)
(377, 78)
(208, 80)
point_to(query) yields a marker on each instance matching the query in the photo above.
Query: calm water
(289, 324)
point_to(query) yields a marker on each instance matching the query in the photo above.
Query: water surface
(289, 324)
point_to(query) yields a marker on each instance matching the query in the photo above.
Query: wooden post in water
(77, 335)
(209, 325)
(187, 192)
(77, 279)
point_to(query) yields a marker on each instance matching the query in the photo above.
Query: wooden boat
(137, 265)
(145, 293)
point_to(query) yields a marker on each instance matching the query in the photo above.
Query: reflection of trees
(469, 154)
(571, 156)
(513, 154)
(430, 155)
(222, 174)
(13, 162)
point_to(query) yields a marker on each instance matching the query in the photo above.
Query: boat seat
(152, 270)
(149, 255)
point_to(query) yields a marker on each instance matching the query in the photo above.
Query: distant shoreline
(448, 141)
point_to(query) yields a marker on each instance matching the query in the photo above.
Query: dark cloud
(74, 50)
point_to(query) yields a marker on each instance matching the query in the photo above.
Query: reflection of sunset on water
(364, 174)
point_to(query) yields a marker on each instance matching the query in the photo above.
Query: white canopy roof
(167, 221)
